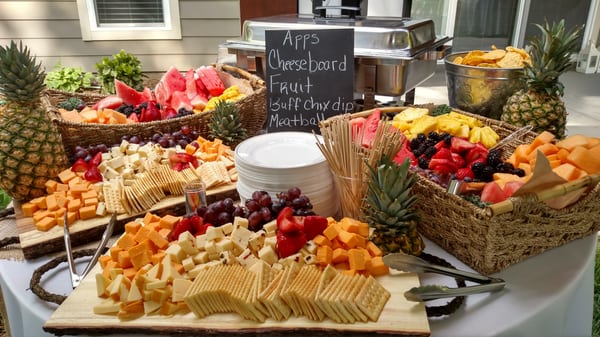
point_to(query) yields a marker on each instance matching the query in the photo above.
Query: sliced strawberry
(184, 225)
(290, 243)
(93, 175)
(314, 225)
(287, 222)
(464, 172)
(460, 145)
(80, 165)
(96, 159)
(443, 153)
(442, 166)
(197, 224)
(441, 144)
(458, 160)
(478, 151)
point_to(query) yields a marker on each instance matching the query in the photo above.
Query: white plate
(280, 150)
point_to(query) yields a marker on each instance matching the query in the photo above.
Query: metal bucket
(480, 90)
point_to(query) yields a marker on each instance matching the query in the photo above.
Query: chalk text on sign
(299, 120)
(289, 87)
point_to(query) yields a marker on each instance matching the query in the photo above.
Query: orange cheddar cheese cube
(45, 223)
(132, 227)
(324, 255)
(51, 204)
(66, 175)
(50, 186)
(168, 221)
(29, 208)
(150, 217)
(87, 212)
(376, 267)
(331, 231)
(74, 205)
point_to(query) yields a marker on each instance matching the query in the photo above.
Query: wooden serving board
(399, 318)
(37, 243)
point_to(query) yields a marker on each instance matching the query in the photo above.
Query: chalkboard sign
(309, 77)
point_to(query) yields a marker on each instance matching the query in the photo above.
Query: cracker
(372, 298)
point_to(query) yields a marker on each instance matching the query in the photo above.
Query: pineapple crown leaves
(395, 204)
(21, 77)
(551, 56)
(225, 123)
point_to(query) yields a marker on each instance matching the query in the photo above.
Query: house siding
(52, 32)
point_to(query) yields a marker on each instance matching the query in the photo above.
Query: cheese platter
(37, 243)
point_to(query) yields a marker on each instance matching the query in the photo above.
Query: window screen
(119, 12)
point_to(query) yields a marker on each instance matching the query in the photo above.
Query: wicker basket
(252, 109)
(489, 242)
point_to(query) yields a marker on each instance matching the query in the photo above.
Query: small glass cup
(195, 195)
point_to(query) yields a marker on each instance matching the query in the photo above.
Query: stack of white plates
(275, 162)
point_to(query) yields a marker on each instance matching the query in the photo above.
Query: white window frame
(90, 31)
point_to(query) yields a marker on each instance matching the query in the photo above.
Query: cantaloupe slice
(502, 178)
(567, 171)
(545, 137)
(89, 115)
(71, 115)
(546, 148)
(592, 142)
(562, 154)
(520, 155)
(573, 141)
(586, 159)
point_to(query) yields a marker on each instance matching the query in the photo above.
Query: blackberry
(494, 157)
(434, 135)
(505, 167)
(431, 142)
(414, 144)
(423, 162)
(518, 171)
(477, 168)
(430, 151)
(447, 138)
(126, 109)
(421, 137)
(488, 173)
(420, 150)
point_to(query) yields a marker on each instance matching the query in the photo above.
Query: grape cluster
(259, 210)
(88, 152)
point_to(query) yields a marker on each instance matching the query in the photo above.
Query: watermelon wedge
(180, 100)
(172, 81)
(108, 102)
(190, 84)
(129, 95)
(211, 80)
(370, 128)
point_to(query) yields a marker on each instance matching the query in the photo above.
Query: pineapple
(31, 150)
(225, 123)
(389, 208)
(540, 104)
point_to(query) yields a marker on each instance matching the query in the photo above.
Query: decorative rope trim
(453, 305)
(36, 278)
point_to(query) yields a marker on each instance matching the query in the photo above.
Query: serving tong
(75, 276)
(410, 263)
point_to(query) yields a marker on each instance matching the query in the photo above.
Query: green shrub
(68, 78)
(122, 66)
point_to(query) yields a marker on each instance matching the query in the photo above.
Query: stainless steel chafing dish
(392, 56)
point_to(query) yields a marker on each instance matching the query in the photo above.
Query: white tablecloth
(547, 295)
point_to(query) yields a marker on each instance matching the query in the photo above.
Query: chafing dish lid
(373, 36)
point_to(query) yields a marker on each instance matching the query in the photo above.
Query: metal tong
(409, 263)
(76, 277)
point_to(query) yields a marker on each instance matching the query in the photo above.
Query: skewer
(507, 206)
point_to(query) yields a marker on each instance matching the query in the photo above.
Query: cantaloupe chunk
(71, 115)
(562, 154)
(592, 142)
(547, 149)
(502, 178)
(586, 159)
(545, 137)
(571, 142)
(521, 154)
(567, 171)
(89, 115)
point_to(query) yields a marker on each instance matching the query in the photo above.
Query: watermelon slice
(199, 102)
(211, 80)
(492, 193)
(190, 84)
(180, 100)
(108, 102)
(370, 128)
(200, 87)
(129, 95)
(172, 81)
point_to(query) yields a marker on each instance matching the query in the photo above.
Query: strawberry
(96, 159)
(314, 225)
(478, 151)
(443, 153)
(442, 166)
(290, 243)
(80, 165)
(92, 174)
(460, 145)
(464, 172)
(458, 160)
(441, 144)
(287, 222)
(184, 225)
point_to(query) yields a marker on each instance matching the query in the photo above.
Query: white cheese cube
(255, 243)
(214, 233)
(270, 241)
(188, 263)
(240, 221)
(268, 255)
(247, 258)
(224, 245)
(200, 241)
(200, 257)
(240, 237)
(176, 251)
(211, 247)
(270, 228)
(227, 228)
(180, 287)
